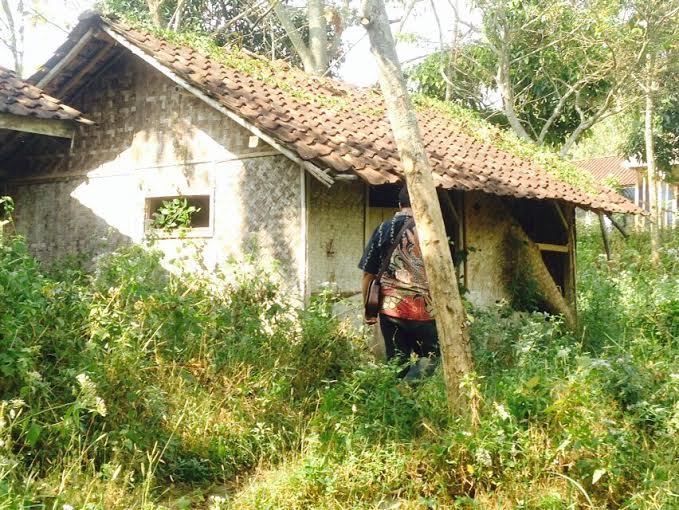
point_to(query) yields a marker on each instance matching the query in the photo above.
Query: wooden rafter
(96, 59)
(446, 201)
(73, 52)
(562, 248)
(562, 216)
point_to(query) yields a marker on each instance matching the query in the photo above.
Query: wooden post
(637, 199)
(604, 236)
(673, 207)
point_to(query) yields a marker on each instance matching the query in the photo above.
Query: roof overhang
(51, 127)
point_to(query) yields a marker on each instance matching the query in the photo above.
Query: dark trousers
(404, 337)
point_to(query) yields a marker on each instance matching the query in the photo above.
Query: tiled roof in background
(18, 97)
(342, 128)
(610, 167)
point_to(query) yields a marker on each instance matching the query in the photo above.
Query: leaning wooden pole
(449, 312)
(604, 236)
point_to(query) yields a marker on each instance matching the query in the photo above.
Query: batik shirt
(405, 290)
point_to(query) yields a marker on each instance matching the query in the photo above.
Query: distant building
(629, 177)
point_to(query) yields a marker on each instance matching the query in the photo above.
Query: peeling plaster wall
(154, 139)
(486, 229)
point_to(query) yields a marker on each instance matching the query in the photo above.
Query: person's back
(406, 314)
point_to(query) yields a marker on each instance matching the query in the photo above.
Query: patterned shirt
(405, 290)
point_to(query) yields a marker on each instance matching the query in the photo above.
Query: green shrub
(138, 387)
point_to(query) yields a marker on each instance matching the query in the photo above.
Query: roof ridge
(599, 157)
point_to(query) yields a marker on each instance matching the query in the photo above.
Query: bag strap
(387, 258)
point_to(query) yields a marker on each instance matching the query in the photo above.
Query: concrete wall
(154, 139)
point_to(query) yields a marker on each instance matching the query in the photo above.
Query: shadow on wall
(63, 207)
(57, 225)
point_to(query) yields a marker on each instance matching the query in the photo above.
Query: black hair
(404, 197)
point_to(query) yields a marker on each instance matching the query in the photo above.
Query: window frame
(190, 233)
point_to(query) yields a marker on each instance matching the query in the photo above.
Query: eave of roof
(336, 127)
(22, 99)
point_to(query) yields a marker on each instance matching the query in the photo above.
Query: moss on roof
(471, 124)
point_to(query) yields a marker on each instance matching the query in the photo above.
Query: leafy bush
(174, 214)
(135, 387)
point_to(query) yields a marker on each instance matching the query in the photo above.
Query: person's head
(403, 198)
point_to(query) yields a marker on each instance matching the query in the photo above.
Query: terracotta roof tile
(19, 97)
(344, 128)
(610, 167)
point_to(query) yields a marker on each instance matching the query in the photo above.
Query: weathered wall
(154, 139)
(336, 235)
(484, 218)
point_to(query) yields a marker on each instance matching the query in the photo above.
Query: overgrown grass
(132, 387)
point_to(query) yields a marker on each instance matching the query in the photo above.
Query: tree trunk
(504, 86)
(177, 19)
(302, 50)
(449, 312)
(154, 11)
(318, 35)
(650, 165)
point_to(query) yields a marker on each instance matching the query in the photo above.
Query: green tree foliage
(467, 76)
(248, 24)
(655, 24)
(666, 135)
(556, 66)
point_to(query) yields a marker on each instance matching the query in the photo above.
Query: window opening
(174, 213)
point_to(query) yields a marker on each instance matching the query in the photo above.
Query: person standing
(406, 315)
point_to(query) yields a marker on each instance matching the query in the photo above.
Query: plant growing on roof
(174, 214)
(249, 24)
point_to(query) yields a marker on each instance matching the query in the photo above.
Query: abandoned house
(300, 168)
